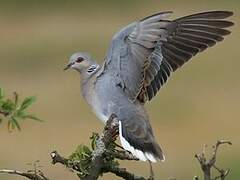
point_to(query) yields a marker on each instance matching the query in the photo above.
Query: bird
(141, 58)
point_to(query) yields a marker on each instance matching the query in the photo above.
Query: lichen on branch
(90, 163)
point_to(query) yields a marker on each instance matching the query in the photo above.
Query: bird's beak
(67, 66)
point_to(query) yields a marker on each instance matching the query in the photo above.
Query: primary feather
(145, 53)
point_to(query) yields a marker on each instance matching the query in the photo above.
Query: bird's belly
(100, 114)
(109, 99)
(99, 108)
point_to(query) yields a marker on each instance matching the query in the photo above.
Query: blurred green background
(200, 104)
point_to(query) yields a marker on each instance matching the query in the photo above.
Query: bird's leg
(151, 177)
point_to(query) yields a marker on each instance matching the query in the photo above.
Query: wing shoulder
(130, 49)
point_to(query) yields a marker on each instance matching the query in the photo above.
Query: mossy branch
(90, 163)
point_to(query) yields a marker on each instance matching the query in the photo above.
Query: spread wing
(143, 55)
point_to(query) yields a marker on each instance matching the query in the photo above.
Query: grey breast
(110, 98)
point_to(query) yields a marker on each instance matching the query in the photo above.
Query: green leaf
(20, 114)
(27, 102)
(13, 112)
(8, 105)
(11, 126)
(15, 122)
(94, 138)
(33, 117)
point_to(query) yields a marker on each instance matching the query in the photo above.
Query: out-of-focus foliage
(14, 111)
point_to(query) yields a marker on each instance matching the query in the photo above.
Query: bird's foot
(151, 177)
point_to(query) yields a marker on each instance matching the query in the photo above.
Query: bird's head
(79, 61)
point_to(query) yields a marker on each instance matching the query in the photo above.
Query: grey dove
(141, 58)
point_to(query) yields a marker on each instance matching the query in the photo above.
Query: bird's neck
(89, 72)
(88, 79)
(92, 69)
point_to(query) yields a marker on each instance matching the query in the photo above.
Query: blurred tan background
(200, 104)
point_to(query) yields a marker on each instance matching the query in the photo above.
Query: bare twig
(30, 175)
(122, 172)
(207, 165)
(195, 178)
(56, 158)
(122, 154)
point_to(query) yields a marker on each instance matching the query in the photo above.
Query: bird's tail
(137, 137)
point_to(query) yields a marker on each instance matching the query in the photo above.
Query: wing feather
(143, 55)
(185, 38)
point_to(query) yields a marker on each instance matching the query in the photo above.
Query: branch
(122, 172)
(122, 155)
(57, 158)
(109, 135)
(29, 175)
(102, 158)
(91, 164)
(207, 165)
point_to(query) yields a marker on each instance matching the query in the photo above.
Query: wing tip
(210, 15)
(228, 13)
(225, 13)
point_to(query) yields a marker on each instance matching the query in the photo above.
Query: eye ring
(79, 59)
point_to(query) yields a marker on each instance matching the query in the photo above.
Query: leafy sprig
(14, 111)
(81, 158)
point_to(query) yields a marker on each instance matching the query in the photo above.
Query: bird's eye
(79, 59)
